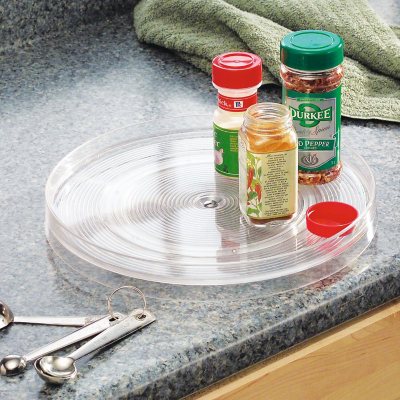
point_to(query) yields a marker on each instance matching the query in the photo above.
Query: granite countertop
(66, 89)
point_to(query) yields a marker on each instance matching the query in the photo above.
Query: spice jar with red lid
(237, 76)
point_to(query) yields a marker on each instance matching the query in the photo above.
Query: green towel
(200, 29)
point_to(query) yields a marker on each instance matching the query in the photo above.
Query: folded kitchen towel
(200, 29)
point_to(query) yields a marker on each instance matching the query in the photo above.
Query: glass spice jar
(267, 164)
(311, 71)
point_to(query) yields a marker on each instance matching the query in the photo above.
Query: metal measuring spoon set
(59, 369)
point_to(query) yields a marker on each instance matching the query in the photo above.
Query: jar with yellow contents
(267, 164)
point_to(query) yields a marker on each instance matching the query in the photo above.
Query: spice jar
(311, 71)
(237, 77)
(267, 164)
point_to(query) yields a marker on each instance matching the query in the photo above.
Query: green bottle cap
(312, 50)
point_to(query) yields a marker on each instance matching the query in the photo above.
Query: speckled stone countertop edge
(270, 341)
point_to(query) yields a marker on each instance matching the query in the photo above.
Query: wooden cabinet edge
(366, 351)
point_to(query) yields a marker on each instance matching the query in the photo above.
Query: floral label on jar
(268, 183)
(316, 119)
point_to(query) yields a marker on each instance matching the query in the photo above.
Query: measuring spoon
(57, 369)
(15, 364)
(7, 317)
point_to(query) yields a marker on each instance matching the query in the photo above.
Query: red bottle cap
(237, 70)
(330, 217)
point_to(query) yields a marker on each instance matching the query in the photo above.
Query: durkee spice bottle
(268, 164)
(311, 71)
(237, 77)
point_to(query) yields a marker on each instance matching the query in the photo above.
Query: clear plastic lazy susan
(145, 202)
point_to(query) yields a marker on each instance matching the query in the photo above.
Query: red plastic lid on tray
(330, 217)
(237, 70)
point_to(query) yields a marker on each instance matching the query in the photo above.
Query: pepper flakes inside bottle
(311, 72)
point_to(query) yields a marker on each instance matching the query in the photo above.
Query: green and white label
(226, 151)
(316, 119)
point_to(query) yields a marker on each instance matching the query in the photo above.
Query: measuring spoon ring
(15, 364)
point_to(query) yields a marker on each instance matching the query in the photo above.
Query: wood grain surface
(356, 360)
